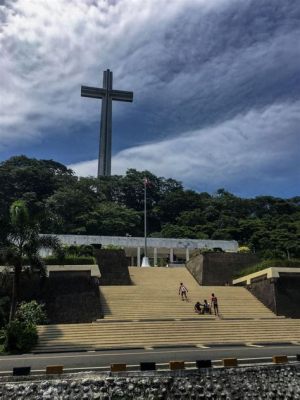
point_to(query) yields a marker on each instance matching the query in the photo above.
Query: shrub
(70, 260)
(205, 250)
(19, 337)
(218, 250)
(244, 249)
(85, 250)
(31, 313)
(112, 247)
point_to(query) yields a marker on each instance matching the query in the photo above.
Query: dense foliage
(31, 313)
(23, 242)
(20, 335)
(113, 205)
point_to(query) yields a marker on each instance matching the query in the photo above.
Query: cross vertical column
(107, 94)
(104, 162)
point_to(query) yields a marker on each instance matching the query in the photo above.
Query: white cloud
(190, 58)
(239, 150)
(215, 82)
(49, 48)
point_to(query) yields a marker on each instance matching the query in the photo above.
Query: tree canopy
(64, 203)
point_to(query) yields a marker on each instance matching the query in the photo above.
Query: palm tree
(23, 244)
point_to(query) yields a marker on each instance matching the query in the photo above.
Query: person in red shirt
(214, 304)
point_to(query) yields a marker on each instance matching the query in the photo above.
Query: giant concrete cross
(107, 94)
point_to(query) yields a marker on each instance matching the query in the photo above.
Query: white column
(132, 261)
(138, 256)
(187, 254)
(155, 256)
(171, 256)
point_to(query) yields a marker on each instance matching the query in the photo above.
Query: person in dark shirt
(214, 303)
(206, 308)
(197, 308)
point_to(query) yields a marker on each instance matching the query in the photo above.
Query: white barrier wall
(157, 247)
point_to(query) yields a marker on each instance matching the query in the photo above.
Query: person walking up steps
(183, 291)
(214, 303)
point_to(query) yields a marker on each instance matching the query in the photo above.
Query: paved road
(102, 359)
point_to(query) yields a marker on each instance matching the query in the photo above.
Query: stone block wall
(72, 298)
(218, 268)
(68, 297)
(288, 295)
(281, 295)
(264, 290)
(113, 266)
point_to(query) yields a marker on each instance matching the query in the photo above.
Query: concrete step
(154, 293)
(150, 313)
(120, 334)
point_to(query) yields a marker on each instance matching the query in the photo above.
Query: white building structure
(173, 249)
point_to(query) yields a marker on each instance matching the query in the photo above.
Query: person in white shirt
(183, 292)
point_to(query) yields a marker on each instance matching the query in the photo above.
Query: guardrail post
(54, 369)
(230, 362)
(280, 359)
(118, 367)
(175, 365)
(203, 364)
(147, 366)
(21, 371)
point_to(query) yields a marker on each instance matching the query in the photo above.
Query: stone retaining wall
(228, 384)
(69, 297)
(281, 295)
(113, 266)
(72, 298)
(218, 268)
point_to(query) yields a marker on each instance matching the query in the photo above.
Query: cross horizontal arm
(121, 95)
(96, 93)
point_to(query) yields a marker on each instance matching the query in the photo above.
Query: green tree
(111, 219)
(66, 208)
(23, 243)
(33, 181)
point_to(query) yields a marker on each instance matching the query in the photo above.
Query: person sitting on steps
(206, 308)
(183, 292)
(197, 308)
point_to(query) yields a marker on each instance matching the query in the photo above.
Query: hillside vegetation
(64, 203)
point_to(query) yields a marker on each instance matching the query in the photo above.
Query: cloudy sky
(216, 88)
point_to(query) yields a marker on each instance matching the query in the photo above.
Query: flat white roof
(160, 243)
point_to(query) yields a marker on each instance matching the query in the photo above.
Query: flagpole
(145, 216)
(145, 261)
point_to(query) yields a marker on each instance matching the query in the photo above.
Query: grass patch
(294, 263)
(70, 260)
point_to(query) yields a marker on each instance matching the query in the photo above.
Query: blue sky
(216, 88)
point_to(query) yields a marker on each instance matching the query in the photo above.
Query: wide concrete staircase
(150, 313)
(154, 295)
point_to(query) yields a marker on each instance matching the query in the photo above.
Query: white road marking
(100, 354)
